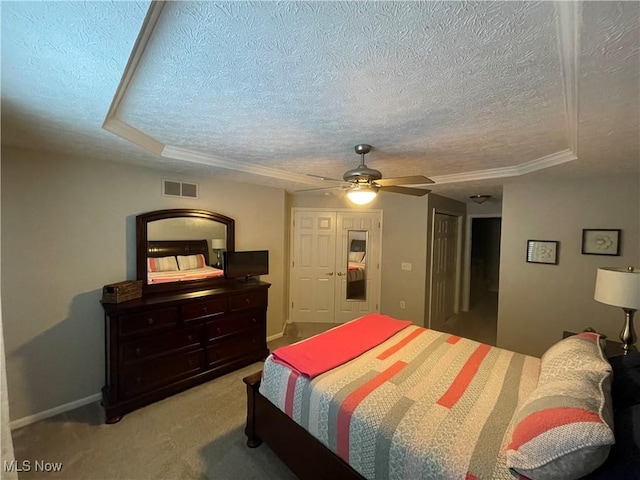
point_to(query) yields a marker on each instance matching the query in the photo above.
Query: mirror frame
(141, 248)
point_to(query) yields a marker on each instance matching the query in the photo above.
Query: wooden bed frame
(306, 456)
(167, 248)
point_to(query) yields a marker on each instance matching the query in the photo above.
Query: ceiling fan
(363, 183)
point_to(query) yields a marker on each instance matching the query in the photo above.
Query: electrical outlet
(402, 304)
(405, 266)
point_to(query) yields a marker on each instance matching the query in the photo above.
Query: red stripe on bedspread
(464, 377)
(353, 400)
(291, 392)
(402, 343)
(337, 346)
(453, 339)
(539, 422)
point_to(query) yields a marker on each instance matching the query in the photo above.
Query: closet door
(313, 267)
(357, 277)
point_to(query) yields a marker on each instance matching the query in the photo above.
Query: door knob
(330, 273)
(341, 274)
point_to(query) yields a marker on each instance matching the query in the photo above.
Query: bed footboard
(307, 457)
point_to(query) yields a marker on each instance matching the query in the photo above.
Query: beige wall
(537, 302)
(68, 228)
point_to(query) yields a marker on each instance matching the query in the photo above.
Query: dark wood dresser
(159, 345)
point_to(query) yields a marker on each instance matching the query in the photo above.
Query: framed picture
(601, 242)
(542, 251)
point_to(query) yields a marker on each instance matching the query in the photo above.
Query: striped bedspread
(422, 404)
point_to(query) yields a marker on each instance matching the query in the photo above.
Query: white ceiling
(470, 94)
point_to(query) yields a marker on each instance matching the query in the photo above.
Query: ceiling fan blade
(412, 180)
(416, 192)
(322, 177)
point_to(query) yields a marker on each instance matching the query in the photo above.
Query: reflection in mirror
(181, 249)
(356, 265)
(186, 228)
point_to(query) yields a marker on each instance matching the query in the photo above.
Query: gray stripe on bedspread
(420, 361)
(385, 433)
(492, 434)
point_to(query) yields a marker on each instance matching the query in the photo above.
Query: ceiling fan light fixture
(480, 198)
(362, 194)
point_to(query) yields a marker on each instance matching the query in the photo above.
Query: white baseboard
(275, 337)
(28, 420)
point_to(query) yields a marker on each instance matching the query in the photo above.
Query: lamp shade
(218, 243)
(362, 194)
(619, 287)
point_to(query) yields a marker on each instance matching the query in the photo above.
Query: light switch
(405, 266)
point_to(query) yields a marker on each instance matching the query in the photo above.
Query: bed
(178, 261)
(424, 404)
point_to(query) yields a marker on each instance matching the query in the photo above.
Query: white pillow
(189, 262)
(564, 430)
(161, 264)
(356, 257)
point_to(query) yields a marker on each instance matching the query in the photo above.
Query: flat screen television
(245, 265)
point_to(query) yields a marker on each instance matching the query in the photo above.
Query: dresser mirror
(181, 249)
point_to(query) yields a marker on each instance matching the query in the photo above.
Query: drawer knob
(138, 351)
(218, 330)
(190, 337)
(138, 380)
(204, 310)
(253, 320)
(150, 320)
(247, 301)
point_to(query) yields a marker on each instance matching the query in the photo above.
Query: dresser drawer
(236, 346)
(159, 344)
(235, 324)
(145, 376)
(149, 321)
(204, 309)
(248, 300)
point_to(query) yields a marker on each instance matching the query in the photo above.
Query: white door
(368, 225)
(313, 267)
(320, 253)
(443, 268)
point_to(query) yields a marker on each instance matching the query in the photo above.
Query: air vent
(173, 188)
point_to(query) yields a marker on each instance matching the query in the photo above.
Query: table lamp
(620, 287)
(217, 245)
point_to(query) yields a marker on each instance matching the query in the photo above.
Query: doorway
(479, 318)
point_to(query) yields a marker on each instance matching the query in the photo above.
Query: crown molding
(569, 21)
(133, 135)
(512, 171)
(146, 30)
(206, 159)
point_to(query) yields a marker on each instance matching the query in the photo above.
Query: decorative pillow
(564, 430)
(189, 262)
(161, 264)
(356, 257)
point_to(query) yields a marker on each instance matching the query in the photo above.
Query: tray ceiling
(467, 93)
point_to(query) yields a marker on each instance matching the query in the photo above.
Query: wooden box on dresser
(159, 345)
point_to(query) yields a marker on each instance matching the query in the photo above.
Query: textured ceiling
(266, 92)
